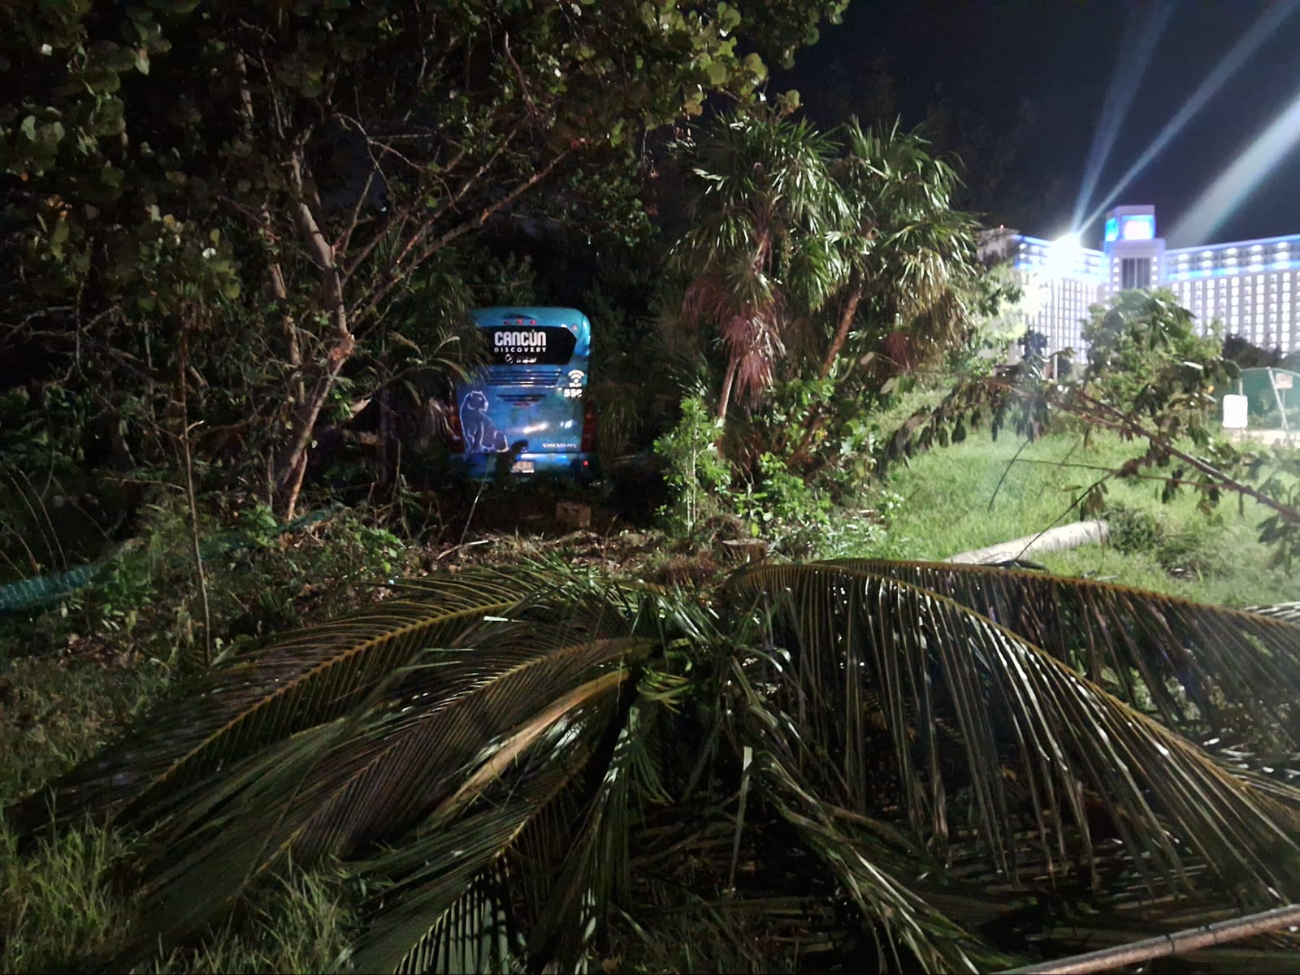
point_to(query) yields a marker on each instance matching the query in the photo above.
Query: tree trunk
(291, 464)
(276, 284)
(727, 381)
(846, 323)
(1053, 540)
(799, 456)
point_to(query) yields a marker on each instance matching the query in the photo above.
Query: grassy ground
(982, 492)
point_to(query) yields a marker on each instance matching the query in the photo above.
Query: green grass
(982, 492)
(58, 905)
(74, 679)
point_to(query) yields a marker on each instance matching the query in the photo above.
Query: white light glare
(1063, 255)
(1264, 28)
(1135, 55)
(1242, 177)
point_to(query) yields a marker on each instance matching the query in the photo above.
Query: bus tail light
(588, 431)
(456, 434)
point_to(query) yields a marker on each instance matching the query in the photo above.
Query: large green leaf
(840, 631)
(371, 785)
(531, 865)
(833, 756)
(1206, 670)
(263, 696)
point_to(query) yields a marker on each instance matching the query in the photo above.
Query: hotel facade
(1250, 287)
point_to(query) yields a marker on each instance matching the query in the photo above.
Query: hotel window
(1135, 272)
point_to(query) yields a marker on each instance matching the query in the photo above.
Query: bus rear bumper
(579, 466)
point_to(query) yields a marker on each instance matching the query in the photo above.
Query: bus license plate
(521, 467)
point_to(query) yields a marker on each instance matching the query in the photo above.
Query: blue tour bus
(529, 402)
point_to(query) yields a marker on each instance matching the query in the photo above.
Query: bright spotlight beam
(1269, 22)
(1135, 56)
(1240, 179)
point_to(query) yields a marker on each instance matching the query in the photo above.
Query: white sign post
(1235, 409)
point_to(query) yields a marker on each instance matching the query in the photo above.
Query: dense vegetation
(277, 692)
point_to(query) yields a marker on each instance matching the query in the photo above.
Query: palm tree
(953, 768)
(761, 252)
(911, 263)
(910, 254)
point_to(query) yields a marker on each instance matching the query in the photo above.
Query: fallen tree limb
(1181, 942)
(1053, 540)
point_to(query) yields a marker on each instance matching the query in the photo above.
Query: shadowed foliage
(942, 767)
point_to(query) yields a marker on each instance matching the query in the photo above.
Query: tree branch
(399, 274)
(1127, 423)
(1178, 943)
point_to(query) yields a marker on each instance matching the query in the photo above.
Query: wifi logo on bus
(574, 389)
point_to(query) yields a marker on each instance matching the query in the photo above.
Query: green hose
(42, 592)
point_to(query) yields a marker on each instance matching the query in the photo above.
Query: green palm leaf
(1238, 670)
(841, 628)
(444, 728)
(872, 871)
(447, 892)
(264, 696)
(512, 758)
(368, 787)
(566, 811)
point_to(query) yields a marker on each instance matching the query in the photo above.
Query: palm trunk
(815, 422)
(728, 381)
(846, 323)
(1060, 539)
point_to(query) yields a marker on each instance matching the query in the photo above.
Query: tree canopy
(174, 165)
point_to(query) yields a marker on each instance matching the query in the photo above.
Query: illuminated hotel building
(1248, 286)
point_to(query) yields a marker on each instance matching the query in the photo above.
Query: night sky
(986, 58)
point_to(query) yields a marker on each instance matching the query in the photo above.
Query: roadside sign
(1282, 380)
(1234, 412)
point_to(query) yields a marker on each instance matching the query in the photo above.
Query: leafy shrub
(258, 579)
(696, 472)
(1193, 550)
(799, 519)
(1143, 342)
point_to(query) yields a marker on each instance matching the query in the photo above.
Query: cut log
(1053, 540)
(572, 515)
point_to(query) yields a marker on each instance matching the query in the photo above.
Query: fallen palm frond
(909, 759)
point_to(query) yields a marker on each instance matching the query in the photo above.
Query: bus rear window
(515, 345)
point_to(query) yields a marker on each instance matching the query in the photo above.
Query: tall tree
(841, 242)
(910, 254)
(912, 275)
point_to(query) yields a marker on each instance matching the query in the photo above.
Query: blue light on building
(1141, 227)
